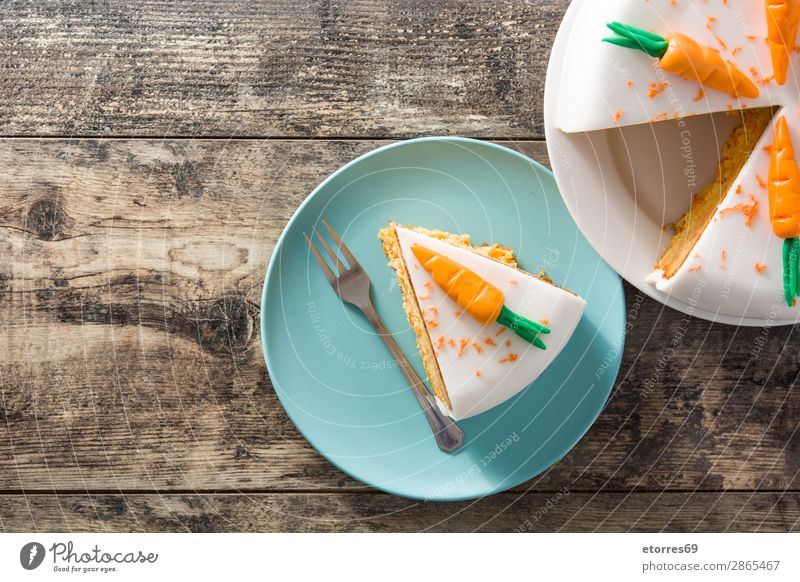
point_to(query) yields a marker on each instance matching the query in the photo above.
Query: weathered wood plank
(131, 360)
(276, 68)
(543, 512)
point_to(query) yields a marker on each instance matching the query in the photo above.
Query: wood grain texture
(543, 512)
(133, 392)
(306, 68)
(132, 360)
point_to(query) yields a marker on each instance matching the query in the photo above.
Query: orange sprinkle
(512, 357)
(544, 321)
(760, 267)
(508, 343)
(431, 320)
(739, 189)
(700, 94)
(618, 114)
(478, 347)
(710, 22)
(721, 42)
(513, 283)
(659, 117)
(749, 210)
(631, 84)
(499, 331)
(758, 78)
(761, 182)
(724, 259)
(457, 314)
(440, 342)
(428, 286)
(489, 342)
(736, 50)
(694, 269)
(478, 373)
(451, 342)
(463, 346)
(656, 89)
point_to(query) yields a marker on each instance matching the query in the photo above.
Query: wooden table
(151, 154)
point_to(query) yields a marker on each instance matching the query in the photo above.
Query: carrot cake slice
(485, 328)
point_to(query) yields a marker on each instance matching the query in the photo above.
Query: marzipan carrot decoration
(682, 56)
(783, 186)
(476, 296)
(783, 19)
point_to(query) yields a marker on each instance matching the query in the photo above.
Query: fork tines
(341, 265)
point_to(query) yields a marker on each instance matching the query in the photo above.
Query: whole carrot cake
(661, 61)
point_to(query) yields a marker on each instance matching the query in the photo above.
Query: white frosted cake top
(485, 365)
(606, 85)
(735, 268)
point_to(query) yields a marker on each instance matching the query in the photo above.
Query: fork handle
(448, 436)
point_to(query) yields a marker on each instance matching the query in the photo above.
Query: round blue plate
(338, 383)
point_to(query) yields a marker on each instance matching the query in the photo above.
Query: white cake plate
(620, 212)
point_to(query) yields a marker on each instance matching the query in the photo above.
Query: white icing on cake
(720, 274)
(528, 296)
(595, 82)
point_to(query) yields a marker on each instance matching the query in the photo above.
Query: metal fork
(352, 286)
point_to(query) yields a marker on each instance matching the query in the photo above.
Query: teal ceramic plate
(335, 378)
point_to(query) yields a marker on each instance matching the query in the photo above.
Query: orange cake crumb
(749, 210)
(760, 267)
(512, 357)
(428, 286)
(656, 89)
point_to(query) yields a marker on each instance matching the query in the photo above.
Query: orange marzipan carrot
(474, 294)
(693, 61)
(783, 19)
(784, 184)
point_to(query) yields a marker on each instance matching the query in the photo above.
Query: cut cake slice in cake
(474, 366)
